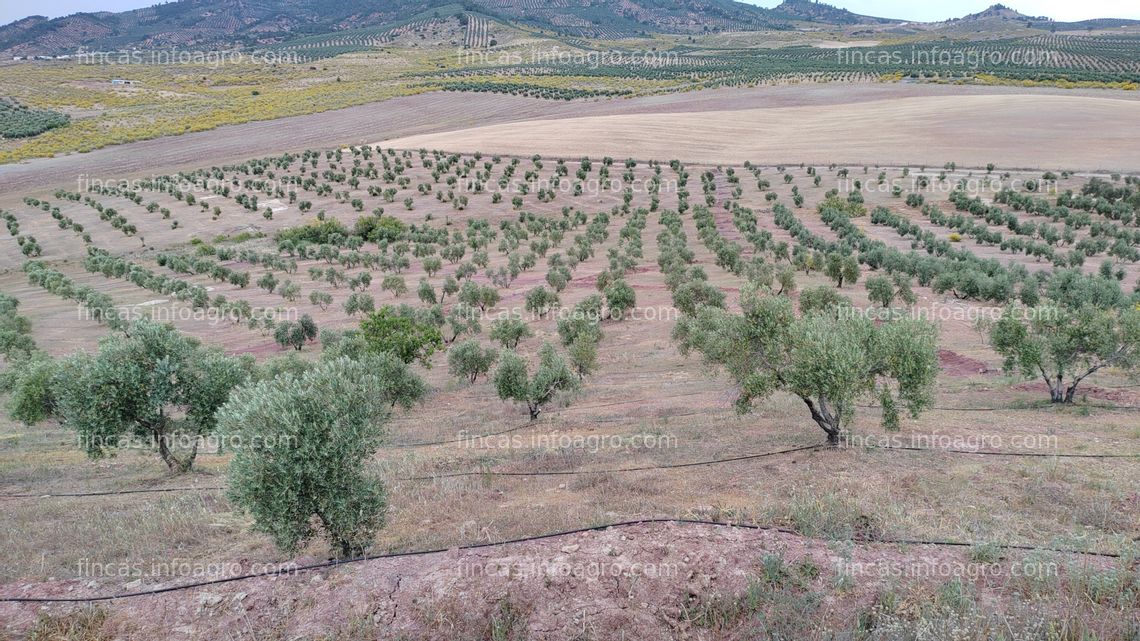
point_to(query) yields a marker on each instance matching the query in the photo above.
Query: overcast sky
(11, 10)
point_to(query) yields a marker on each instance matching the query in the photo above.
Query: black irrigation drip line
(49, 495)
(397, 446)
(614, 470)
(646, 468)
(539, 537)
(1126, 408)
(993, 453)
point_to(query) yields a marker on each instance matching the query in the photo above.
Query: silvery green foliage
(151, 383)
(620, 298)
(1064, 346)
(30, 385)
(553, 376)
(509, 331)
(469, 360)
(303, 443)
(827, 358)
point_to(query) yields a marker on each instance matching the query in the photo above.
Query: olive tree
(620, 298)
(827, 359)
(583, 320)
(321, 299)
(15, 330)
(583, 354)
(30, 385)
(400, 386)
(885, 290)
(295, 333)
(426, 292)
(514, 383)
(469, 360)
(359, 302)
(395, 284)
(841, 269)
(304, 464)
(541, 300)
(1065, 346)
(481, 296)
(509, 331)
(152, 384)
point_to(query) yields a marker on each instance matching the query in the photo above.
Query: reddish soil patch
(954, 364)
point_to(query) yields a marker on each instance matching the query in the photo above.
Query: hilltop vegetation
(215, 24)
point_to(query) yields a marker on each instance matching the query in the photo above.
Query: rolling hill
(215, 24)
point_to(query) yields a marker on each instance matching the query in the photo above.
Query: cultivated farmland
(512, 320)
(514, 224)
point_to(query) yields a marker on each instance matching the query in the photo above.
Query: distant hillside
(204, 23)
(999, 11)
(213, 24)
(812, 11)
(998, 17)
(224, 23)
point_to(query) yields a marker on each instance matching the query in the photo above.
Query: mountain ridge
(258, 23)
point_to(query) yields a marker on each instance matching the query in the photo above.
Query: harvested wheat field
(1010, 130)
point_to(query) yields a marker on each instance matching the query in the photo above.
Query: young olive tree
(15, 330)
(30, 385)
(885, 290)
(620, 298)
(582, 320)
(583, 354)
(295, 333)
(827, 359)
(540, 300)
(1065, 346)
(469, 360)
(509, 331)
(307, 441)
(841, 269)
(514, 383)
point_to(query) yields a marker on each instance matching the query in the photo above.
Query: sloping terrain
(218, 23)
(811, 11)
(223, 24)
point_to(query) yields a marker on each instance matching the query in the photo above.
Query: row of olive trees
(15, 330)
(579, 333)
